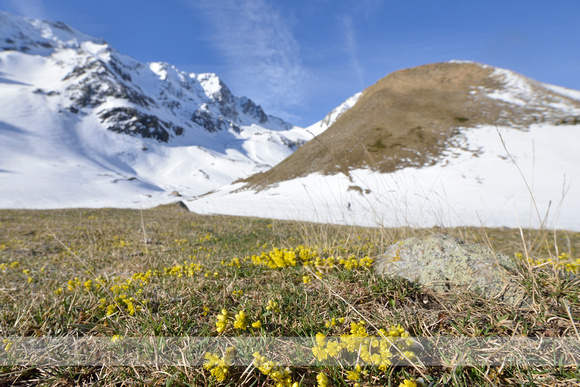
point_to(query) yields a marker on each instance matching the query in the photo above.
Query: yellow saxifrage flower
(273, 306)
(8, 344)
(322, 379)
(222, 321)
(241, 321)
(116, 338)
(412, 383)
(281, 375)
(219, 367)
(355, 374)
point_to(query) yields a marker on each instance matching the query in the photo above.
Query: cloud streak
(352, 51)
(262, 55)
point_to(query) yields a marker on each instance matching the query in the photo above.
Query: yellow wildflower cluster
(370, 349)
(563, 262)
(11, 265)
(241, 321)
(235, 262)
(181, 241)
(122, 302)
(219, 367)
(352, 263)
(282, 258)
(119, 242)
(188, 269)
(273, 306)
(116, 338)
(73, 284)
(276, 258)
(222, 321)
(275, 371)
(207, 238)
(354, 375)
(8, 344)
(144, 278)
(334, 322)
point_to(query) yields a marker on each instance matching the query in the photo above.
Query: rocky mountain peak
(39, 37)
(154, 100)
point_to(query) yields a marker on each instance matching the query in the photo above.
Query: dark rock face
(446, 264)
(133, 122)
(253, 110)
(96, 80)
(209, 122)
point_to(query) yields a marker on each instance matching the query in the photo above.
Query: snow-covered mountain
(84, 125)
(455, 143)
(446, 144)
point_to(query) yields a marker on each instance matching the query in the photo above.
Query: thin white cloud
(262, 54)
(29, 8)
(352, 50)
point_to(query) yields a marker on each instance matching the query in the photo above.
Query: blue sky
(299, 59)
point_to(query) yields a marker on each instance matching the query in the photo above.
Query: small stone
(445, 264)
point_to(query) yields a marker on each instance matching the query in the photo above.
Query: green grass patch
(163, 272)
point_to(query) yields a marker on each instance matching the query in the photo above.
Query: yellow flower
(241, 321)
(116, 338)
(111, 309)
(219, 367)
(408, 383)
(257, 324)
(274, 370)
(273, 306)
(8, 344)
(222, 321)
(322, 380)
(355, 374)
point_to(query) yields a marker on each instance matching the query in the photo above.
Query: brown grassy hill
(409, 117)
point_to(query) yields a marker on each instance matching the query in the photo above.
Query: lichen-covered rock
(447, 264)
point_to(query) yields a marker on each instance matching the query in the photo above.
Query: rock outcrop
(445, 264)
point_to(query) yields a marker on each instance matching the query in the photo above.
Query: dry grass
(407, 118)
(115, 244)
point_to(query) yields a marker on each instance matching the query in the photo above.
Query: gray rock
(445, 264)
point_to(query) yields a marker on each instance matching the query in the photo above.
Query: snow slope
(472, 185)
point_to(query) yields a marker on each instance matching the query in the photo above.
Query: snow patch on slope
(334, 115)
(468, 187)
